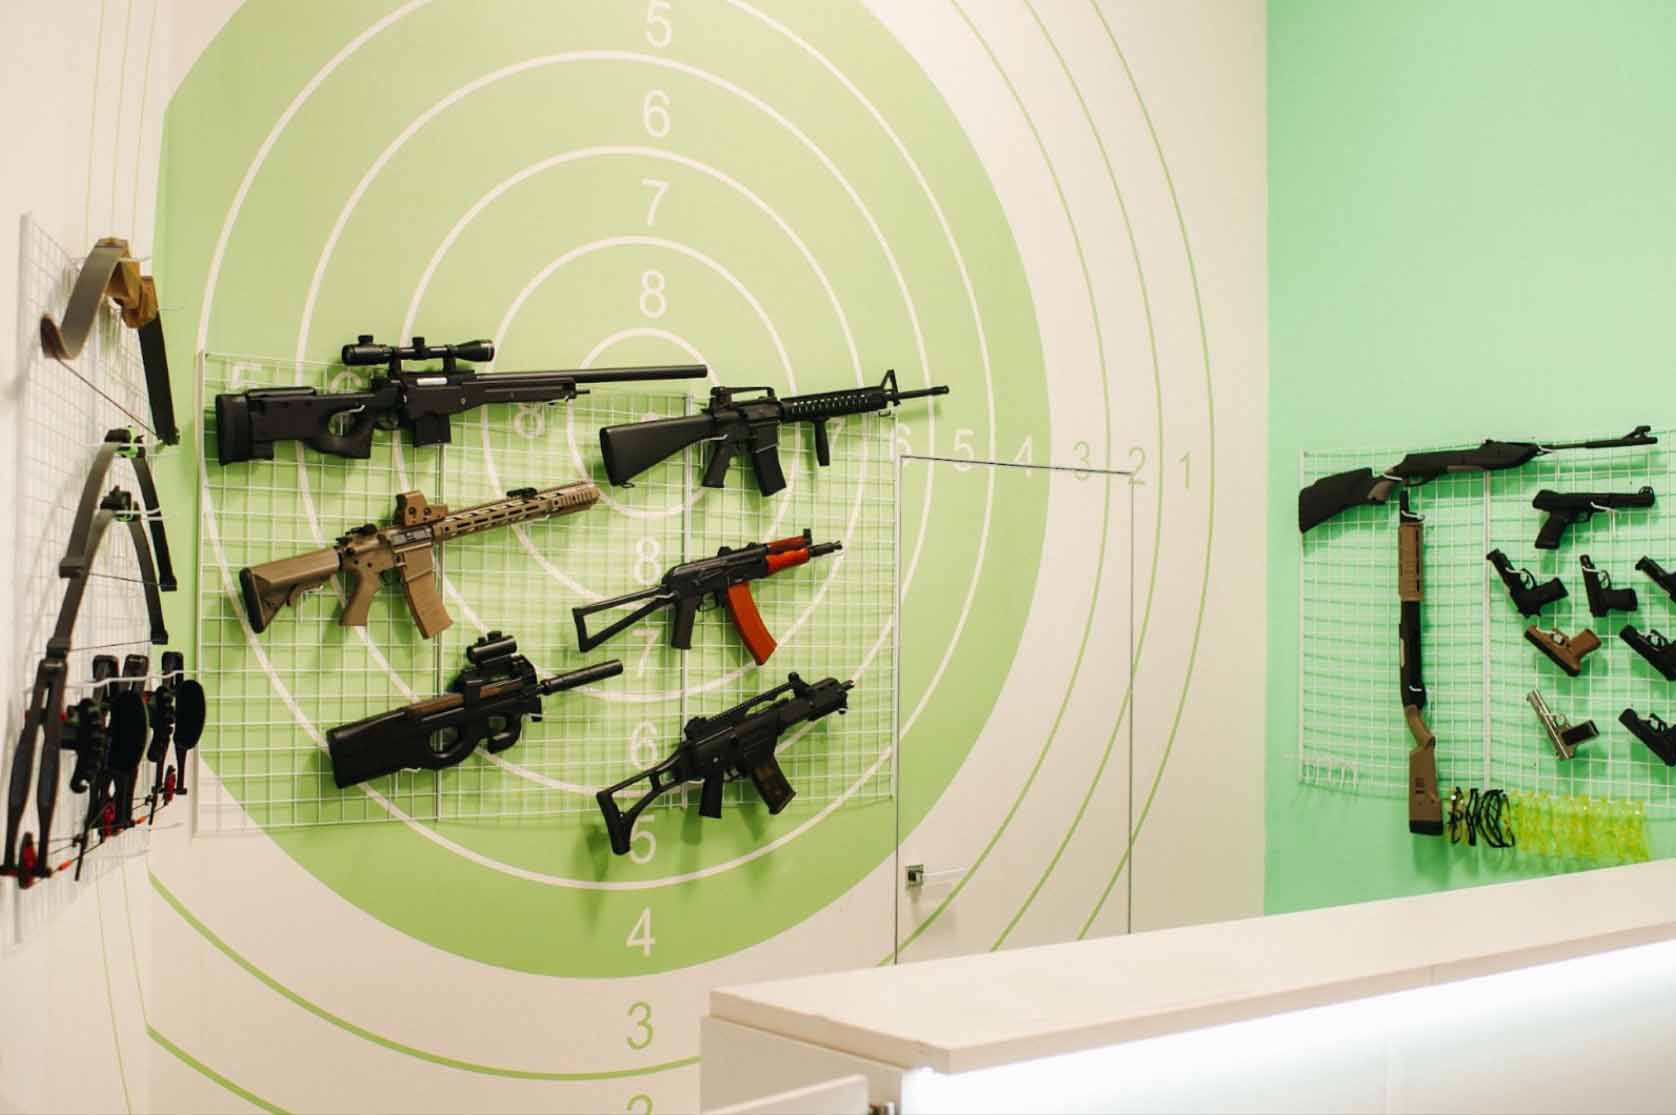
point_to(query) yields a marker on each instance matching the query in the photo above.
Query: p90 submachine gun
(248, 424)
(1341, 491)
(731, 744)
(732, 425)
(486, 705)
(727, 577)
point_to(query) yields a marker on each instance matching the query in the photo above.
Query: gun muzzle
(586, 675)
(821, 549)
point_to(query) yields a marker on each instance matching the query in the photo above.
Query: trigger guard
(506, 737)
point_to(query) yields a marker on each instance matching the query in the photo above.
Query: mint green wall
(1472, 233)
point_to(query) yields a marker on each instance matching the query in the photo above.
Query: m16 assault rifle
(1528, 596)
(732, 425)
(486, 705)
(248, 424)
(737, 743)
(1341, 491)
(405, 549)
(1565, 508)
(727, 577)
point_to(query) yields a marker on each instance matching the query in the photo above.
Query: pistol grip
(419, 585)
(715, 470)
(363, 587)
(710, 800)
(1553, 529)
(681, 623)
(742, 609)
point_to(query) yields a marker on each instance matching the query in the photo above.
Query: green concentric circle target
(611, 188)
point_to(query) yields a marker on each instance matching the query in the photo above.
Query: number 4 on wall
(640, 937)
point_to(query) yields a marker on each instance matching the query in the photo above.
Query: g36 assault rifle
(247, 424)
(1329, 495)
(731, 744)
(486, 705)
(732, 425)
(727, 577)
(368, 552)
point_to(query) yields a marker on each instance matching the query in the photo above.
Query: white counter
(971, 1013)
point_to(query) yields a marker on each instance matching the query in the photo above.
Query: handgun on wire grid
(1566, 508)
(1528, 596)
(727, 577)
(1659, 737)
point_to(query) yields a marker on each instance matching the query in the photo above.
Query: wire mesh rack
(1478, 665)
(67, 407)
(273, 696)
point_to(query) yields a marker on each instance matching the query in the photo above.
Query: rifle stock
(1341, 491)
(268, 587)
(632, 448)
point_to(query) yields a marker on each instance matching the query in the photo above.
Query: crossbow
(111, 272)
(44, 718)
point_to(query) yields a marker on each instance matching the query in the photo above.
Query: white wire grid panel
(1615, 677)
(1478, 666)
(67, 408)
(273, 696)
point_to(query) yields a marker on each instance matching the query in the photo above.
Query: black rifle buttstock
(1328, 496)
(633, 447)
(248, 425)
(655, 598)
(619, 822)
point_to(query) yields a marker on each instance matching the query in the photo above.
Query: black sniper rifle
(727, 577)
(248, 424)
(1329, 495)
(732, 425)
(486, 704)
(738, 742)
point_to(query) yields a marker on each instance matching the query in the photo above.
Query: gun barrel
(821, 549)
(585, 675)
(921, 393)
